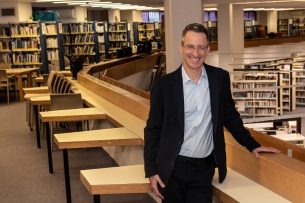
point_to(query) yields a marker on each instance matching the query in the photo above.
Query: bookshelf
(102, 39)
(5, 51)
(26, 44)
(249, 28)
(299, 80)
(143, 31)
(254, 96)
(82, 41)
(118, 36)
(283, 26)
(212, 30)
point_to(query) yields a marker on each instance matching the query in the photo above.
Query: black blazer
(164, 132)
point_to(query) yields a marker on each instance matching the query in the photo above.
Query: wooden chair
(7, 81)
(64, 102)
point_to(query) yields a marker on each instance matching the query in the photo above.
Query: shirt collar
(186, 78)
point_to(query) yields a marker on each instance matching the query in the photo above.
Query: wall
(261, 18)
(137, 16)
(94, 15)
(112, 14)
(22, 11)
(126, 15)
(286, 14)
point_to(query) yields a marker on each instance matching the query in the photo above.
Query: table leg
(67, 175)
(49, 147)
(96, 198)
(29, 79)
(37, 125)
(20, 88)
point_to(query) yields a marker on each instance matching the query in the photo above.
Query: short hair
(195, 27)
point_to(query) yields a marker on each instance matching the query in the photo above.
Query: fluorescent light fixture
(62, 2)
(258, 9)
(210, 9)
(269, 9)
(248, 9)
(76, 3)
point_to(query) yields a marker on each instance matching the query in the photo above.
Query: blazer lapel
(213, 87)
(178, 96)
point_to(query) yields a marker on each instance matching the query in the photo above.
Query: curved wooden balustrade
(279, 173)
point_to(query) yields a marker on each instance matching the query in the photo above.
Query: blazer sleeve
(152, 131)
(233, 122)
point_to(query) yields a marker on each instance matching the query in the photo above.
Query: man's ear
(180, 48)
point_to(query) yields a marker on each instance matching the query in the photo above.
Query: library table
(293, 137)
(22, 71)
(95, 138)
(64, 116)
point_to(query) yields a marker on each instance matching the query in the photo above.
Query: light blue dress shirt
(198, 128)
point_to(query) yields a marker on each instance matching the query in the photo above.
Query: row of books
(117, 36)
(265, 111)
(82, 38)
(5, 58)
(87, 49)
(116, 27)
(51, 29)
(300, 80)
(264, 85)
(31, 29)
(116, 45)
(300, 94)
(89, 59)
(242, 85)
(101, 39)
(265, 103)
(100, 28)
(52, 42)
(146, 34)
(4, 31)
(146, 26)
(29, 43)
(26, 58)
(265, 94)
(4, 44)
(52, 54)
(86, 27)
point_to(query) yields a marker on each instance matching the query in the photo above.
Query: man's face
(194, 50)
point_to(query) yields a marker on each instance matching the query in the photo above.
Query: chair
(5, 66)
(7, 81)
(64, 102)
(160, 66)
(45, 79)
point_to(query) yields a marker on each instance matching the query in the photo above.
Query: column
(179, 13)
(114, 15)
(272, 21)
(230, 34)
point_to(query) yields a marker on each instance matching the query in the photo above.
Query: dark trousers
(190, 184)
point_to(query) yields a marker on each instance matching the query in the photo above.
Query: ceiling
(294, 4)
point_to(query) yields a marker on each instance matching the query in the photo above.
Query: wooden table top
(116, 180)
(72, 115)
(33, 90)
(19, 71)
(97, 138)
(244, 190)
(290, 137)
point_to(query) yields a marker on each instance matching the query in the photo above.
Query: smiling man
(184, 139)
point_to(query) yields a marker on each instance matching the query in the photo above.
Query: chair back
(5, 66)
(66, 101)
(45, 79)
(3, 76)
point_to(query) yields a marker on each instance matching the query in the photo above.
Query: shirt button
(180, 142)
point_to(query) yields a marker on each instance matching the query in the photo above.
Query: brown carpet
(24, 175)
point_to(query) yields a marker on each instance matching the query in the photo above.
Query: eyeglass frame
(199, 48)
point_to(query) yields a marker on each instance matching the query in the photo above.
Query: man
(184, 138)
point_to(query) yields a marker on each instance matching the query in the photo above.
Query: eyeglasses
(190, 47)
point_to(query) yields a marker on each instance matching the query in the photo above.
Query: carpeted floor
(24, 175)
